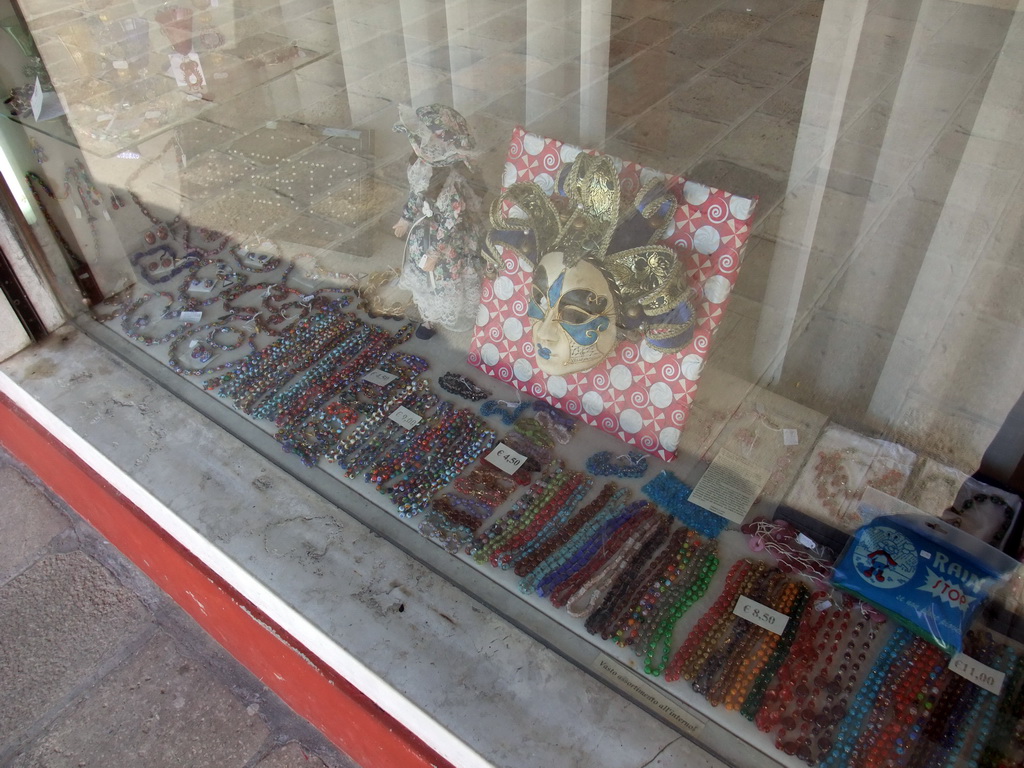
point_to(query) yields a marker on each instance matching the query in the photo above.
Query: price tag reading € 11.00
(403, 417)
(980, 674)
(379, 377)
(505, 459)
(761, 615)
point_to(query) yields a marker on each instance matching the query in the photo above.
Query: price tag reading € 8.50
(761, 615)
(505, 459)
(979, 674)
(403, 417)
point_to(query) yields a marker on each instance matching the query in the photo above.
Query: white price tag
(379, 377)
(790, 437)
(980, 674)
(192, 316)
(271, 124)
(106, 214)
(505, 459)
(761, 615)
(193, 344)
(403, 417)
(78, 212)
(806, 541)
(120, 64)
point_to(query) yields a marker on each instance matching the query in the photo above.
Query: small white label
(624, 678)
(729, 486)
(980, 674)
(153, 114)
(403, 417)
(761, 615)
(120, 64)
(379, 377)
(806, 541)
(926, 555)
(790, 437)
(78, 212)
(191, 316)
(505, 459)
(106, 214)
(271, 124)
(220, 75)
(200, 286)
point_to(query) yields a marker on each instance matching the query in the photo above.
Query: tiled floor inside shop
(883, 139)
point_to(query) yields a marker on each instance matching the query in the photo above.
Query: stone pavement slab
(100, 668)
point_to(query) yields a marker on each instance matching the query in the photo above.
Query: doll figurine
(442, 219)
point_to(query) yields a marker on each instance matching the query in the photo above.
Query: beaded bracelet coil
(605, 464)
(673, 495)
(463, 386)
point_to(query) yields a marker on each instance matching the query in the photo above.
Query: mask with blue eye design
(572, 313)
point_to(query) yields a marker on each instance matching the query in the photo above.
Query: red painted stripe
(351, 721)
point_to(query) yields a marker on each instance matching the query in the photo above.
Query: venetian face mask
(572, 311)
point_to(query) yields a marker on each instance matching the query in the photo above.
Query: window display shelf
(718, 284)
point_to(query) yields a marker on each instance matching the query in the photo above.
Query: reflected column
(835, 51)
(949, 260)
(595, 32)
(459, 18)
(423, 30)
(359, 60)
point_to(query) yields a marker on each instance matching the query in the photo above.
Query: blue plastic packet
(926, 574)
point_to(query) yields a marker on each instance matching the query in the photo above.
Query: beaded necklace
(995, 721)
(133, 326)
(943, 729)
(673, 495)
(432, 468)
(909, 689)
(689, 659)
(631, 585)
(657, 644)
(794, 702)
(522, 515)
(604, 464)
(204, 345)
(576, 553)
(546, 522)
(460, 385)
(610, 494)
(841, 753)
(740, 638)
(163, 260)
(584, 591)
(653, 620)
(661, 590)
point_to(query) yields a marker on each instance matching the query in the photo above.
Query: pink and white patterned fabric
(639, 394)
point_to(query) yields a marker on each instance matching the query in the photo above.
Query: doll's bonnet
(439, 135)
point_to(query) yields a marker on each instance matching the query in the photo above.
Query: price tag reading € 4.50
(403, 417)
(980, 674)
(761, 615)
(505, 459)
(379, 377)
